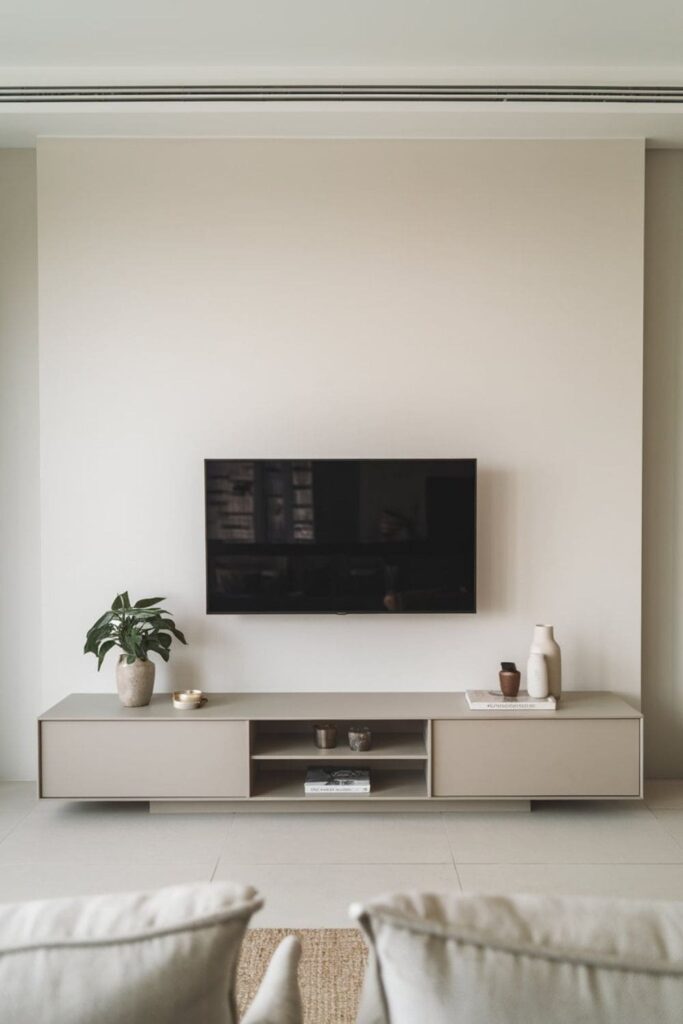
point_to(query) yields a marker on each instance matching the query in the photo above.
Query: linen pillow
(521, 960)
(167, 957)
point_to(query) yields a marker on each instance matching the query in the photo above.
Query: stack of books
(492, 700)
(324, 781)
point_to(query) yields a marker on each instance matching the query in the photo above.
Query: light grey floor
(311, 867)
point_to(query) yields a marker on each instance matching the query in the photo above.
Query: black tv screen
(340, 535)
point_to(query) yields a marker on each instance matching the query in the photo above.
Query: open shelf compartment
(387, 783)
(391, 741)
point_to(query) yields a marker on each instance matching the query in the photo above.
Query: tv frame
(360, 611)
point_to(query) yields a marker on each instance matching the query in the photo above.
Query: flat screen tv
(340, 535)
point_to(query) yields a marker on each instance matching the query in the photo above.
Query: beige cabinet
(144, 760)
(251, 751)
(560, 757)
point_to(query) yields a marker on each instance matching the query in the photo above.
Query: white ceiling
(218, 42)
(381, 35)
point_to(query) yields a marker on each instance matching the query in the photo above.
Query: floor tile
(17, 799)
(570, 833)
(17, 792)
(672, 821)
(664, 793)
(623, 881)
(125, 833)
(338, 839)
(24, 881)
(318, 896)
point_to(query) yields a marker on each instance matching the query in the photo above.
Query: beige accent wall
(663, 473)
(20, 603)
(19, 679)
(260, 298)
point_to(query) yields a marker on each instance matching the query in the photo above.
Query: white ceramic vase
(134, 682)
(544, 643)
(537, 676)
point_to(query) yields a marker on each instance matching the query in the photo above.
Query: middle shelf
(407, 746)
(294, 741)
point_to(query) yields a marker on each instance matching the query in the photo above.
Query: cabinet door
(144, 760)
(534, 758)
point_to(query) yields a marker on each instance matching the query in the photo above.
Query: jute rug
(330, 973)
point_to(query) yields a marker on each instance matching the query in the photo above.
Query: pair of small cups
(188, 700)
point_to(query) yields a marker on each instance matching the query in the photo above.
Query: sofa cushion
(167, 957)
(521, 959)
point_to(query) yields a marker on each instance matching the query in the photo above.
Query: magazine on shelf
(493, 700)
(337, 780)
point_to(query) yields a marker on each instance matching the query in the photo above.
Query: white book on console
(493, 700)
(337, 780)
(327, 790)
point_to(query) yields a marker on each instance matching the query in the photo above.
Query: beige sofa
(167, 957)
(170, 957)
(521, 960)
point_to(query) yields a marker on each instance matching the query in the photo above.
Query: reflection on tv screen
(341, 535)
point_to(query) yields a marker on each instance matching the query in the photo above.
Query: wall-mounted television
(340, 535)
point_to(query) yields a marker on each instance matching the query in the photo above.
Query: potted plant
(137, 629)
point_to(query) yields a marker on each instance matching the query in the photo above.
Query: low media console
(250, 751)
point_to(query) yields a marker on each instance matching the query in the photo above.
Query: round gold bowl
(188, 700)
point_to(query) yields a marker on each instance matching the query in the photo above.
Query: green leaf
(125, 643)
(130, 658)
(102, 621)
(163, 638)
(104, 649)
(90, 643)
(101, 632)
(163, 652)
(95, 636)
(161, 616)
(148, 602)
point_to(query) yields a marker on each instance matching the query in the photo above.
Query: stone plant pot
(134, 682)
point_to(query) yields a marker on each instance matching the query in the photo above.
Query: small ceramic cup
(360, 738)
(325, 736)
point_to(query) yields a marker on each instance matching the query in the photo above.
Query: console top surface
(288, 706)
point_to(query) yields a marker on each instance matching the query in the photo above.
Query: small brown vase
(509, 683)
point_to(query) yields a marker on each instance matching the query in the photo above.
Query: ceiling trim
(370, 93)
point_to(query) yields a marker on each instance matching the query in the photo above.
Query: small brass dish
(188, 700)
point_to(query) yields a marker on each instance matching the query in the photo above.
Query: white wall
(228, 298)
(663, 477)
(19, 467)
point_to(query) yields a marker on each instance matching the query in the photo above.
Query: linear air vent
(650, 94)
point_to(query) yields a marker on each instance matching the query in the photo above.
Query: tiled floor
(310, 867)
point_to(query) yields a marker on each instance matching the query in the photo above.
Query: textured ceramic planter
(134, 682)
(544, 643)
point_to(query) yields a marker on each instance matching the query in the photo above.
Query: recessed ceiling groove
(494, 94)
